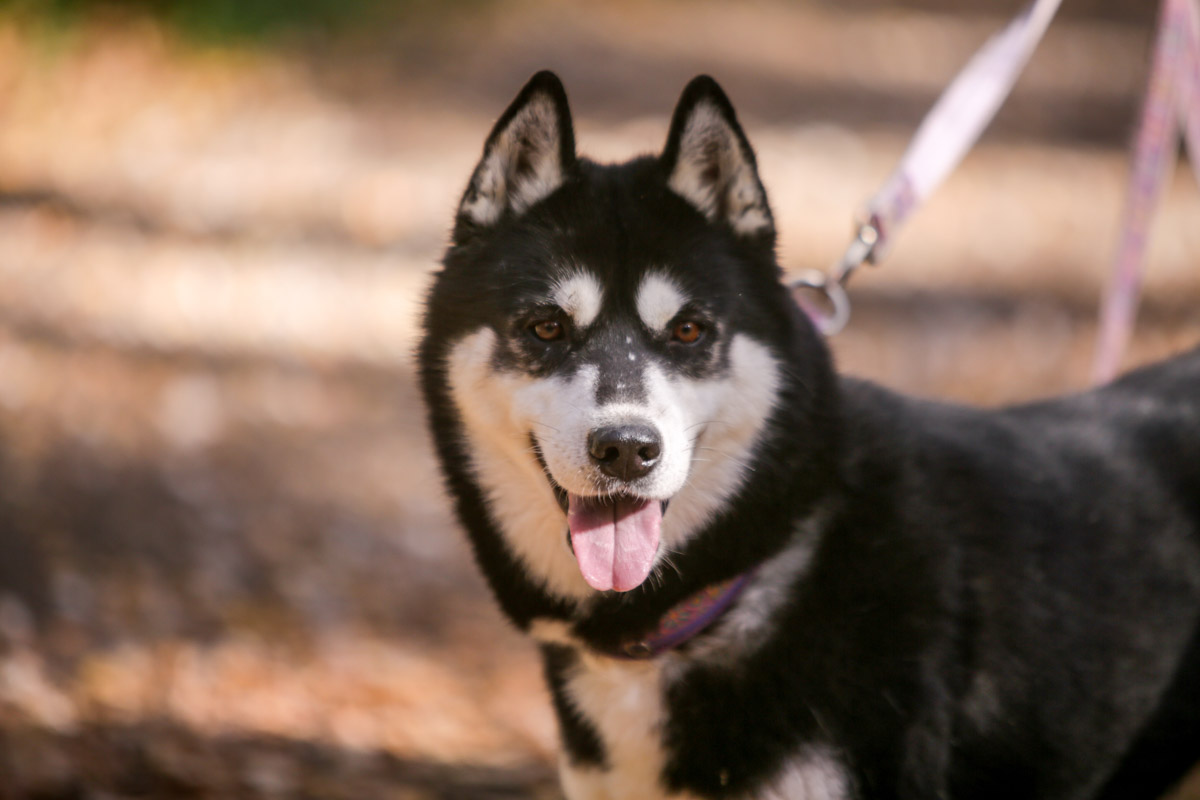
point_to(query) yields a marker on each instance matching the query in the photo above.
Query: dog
(751, 577)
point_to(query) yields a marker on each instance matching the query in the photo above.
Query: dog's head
(606, 345)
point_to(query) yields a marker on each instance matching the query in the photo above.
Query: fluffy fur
(947, 602)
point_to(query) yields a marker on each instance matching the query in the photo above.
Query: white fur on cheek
(579, 294)
(519, 496)
(727, 418)
(658, 300)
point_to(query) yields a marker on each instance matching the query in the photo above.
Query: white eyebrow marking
(658, 300)
(579, 294)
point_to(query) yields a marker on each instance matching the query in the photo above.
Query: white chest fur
(623, 700)
(815, 774)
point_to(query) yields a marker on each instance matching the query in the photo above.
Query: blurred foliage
(268, 21)
(224, 21)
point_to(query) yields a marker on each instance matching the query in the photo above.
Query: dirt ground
(227, 568)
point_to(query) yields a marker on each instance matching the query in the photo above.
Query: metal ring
(829, 324)
(638, 650)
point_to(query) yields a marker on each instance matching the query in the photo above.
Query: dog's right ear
(709, 162)
(526, 155)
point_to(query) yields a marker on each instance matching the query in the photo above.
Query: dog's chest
(624, 702)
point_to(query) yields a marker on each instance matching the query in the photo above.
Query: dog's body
(936, 602)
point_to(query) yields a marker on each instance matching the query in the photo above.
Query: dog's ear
(526, 156)
(709, 162)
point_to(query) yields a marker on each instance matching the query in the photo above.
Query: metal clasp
(638, 650)
(861, 251)
(832, 285)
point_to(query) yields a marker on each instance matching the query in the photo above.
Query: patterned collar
(686, 619)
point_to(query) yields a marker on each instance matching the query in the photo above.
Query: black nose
(625, 451)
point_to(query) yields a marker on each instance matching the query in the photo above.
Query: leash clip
(831, 286)
(861, 251)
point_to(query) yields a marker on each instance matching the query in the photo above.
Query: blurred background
(227, 567)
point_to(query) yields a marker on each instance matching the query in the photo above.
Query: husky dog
(750, 577)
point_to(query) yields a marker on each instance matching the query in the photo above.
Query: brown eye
(548, 330)
(687, 332)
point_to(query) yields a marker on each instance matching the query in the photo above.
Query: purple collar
(686, 619)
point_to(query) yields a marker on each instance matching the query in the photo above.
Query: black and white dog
(753, 578)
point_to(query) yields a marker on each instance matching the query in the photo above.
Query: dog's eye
(688, 332)
(547, 330)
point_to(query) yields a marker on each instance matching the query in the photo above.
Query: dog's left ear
(709, 162)
(526, 155)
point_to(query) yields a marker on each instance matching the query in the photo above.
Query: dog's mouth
(614, 538)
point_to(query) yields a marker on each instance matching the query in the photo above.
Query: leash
(948, 131)
(1171, 107)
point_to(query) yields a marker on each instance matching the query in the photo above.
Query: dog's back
(1070, 533)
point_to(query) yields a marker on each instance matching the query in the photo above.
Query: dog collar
(686, 619)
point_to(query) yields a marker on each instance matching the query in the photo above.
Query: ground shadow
(165, 761)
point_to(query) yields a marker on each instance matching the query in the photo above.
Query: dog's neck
(686, 619)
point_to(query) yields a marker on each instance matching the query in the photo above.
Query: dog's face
(603, 336)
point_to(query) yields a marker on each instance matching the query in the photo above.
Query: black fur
(1000, 603)
(581, 741)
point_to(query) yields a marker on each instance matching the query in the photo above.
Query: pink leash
(964, 110)
(948, 131)
(1172, 105)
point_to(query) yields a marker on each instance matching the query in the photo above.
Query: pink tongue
(614, 540)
